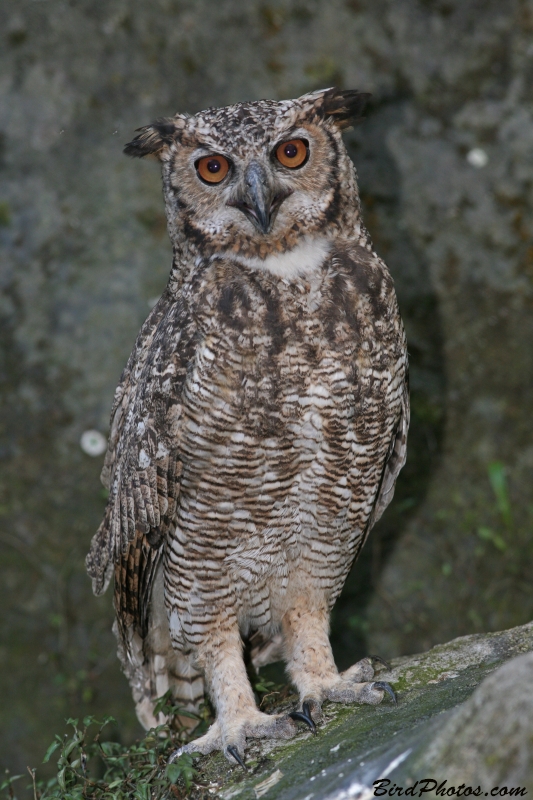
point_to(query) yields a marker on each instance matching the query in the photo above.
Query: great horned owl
(260, 423)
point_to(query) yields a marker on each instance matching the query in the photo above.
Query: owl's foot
(354, 685)
(230, 734)
(312, 667)
(378, 660)
(362, 673)
(212, 740)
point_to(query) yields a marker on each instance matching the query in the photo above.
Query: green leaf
(490, 536)
(71, 746)
(182, 768)
(188, 775)
(53, 747)
(264, 686)
(61, 779)
(162, 702)
(181, 712)
(498, 482)
(173, 772)
(9, 781)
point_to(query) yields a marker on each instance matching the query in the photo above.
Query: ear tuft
(151, 139)
(344, 107)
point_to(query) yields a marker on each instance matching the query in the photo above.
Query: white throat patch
(303, 259)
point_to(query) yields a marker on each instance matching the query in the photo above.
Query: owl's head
(253, 178)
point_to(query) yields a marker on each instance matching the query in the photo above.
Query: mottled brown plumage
(260, 423)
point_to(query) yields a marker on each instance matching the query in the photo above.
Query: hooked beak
(258, 200)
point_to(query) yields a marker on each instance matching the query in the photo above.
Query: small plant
(268, 693)
(7, 784)
(91, 769)
(167, 705)
(498, 483)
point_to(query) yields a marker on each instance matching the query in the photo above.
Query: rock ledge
(464, 716)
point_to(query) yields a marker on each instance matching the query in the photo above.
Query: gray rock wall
(84, 251)
(464, 153)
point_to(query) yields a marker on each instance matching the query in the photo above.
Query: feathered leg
(238, 718)
(312, 668)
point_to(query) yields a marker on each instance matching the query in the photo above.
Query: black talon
(298, 716)
(232, 750)
(304, 716)
(380, 661)
(385, 687)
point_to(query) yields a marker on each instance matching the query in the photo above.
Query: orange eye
(212, 169)
(292, 154)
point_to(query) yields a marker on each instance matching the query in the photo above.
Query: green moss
(5, 214)
(17, 37)
(427, 686)
(324, 72)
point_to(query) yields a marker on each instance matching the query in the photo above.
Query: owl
(260, 423)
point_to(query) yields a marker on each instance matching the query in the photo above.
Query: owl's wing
(142, 468)
(395, 458)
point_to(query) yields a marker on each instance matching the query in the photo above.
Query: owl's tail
(153, 667)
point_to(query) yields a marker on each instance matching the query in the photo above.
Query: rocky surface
(446, 168)
(464, 153)
(464, 716)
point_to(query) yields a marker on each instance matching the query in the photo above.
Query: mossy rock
(455, 720)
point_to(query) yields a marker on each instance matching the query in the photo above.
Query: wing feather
(142, 467)
(395, 459)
